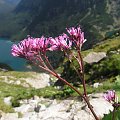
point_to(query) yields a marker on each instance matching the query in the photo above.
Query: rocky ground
(28, 79)
(39, 108)
(46, 109)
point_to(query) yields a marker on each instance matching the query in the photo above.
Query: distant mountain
(13, 2)
(7, 23)
(7, 5)
(51, 17)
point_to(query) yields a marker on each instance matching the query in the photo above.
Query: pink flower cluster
(33, 46)
(77, 36)
(30, 47)
(60, 43)
(110, 96)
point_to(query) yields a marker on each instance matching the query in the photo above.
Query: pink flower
(110, 96)
(24, 49)
(30, 47)
(77, 36)
(60, 43)
(40, 44)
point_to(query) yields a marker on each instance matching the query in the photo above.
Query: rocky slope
(69, 109)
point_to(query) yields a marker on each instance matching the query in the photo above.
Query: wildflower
(77, 36)
(23, 49)
(30, 47)
(110, 96)
(40, 44)
(60, 43)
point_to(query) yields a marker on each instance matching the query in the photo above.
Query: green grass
(5, 108)
(17, 74)
(19, 92)
(104, 46)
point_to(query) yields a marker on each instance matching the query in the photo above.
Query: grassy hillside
(106, 71)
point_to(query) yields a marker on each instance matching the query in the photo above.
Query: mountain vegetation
(106, 72)
(100, 21)
(7, 24)
(50, 18)
(7, 6)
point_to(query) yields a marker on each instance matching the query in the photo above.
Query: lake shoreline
(6, 57)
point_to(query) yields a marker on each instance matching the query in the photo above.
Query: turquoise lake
(15, 63)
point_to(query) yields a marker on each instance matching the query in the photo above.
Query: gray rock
(96, 85)
(61, 110)
(7, 100)
(17, 82)
(94, 57)
(40, 81)
(37, 108)
(10, 116)
(101, 106)
(83, 115)
(24, 108)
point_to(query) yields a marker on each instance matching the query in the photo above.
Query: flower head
(110, 96)
(30, 47)
(60, 43)
(76, 35)
(23, 49)
(40, 44)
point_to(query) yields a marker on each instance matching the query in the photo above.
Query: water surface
(15, 63)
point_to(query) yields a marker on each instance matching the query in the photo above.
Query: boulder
(24, 108)
(39, 81)
(94, 57)
(7, 100)
(10, 116)
(96, 85)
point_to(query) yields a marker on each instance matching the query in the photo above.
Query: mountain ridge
(50, 18)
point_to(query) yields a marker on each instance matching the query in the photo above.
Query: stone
(1, 114)
(46, 109)
(101, 106)
(42, 107)
(37, 108)
(10, 116)
(24, 108)
(17, 82)
(7, 100)
(39, 81)
(30, 116)
(36, 97)
(83, 115)
(96, 85)
(94, 57)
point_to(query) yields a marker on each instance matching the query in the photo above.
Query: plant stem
(84, 97)
(49, 64)
(72, 87)
(82, 72)
(113, 114)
